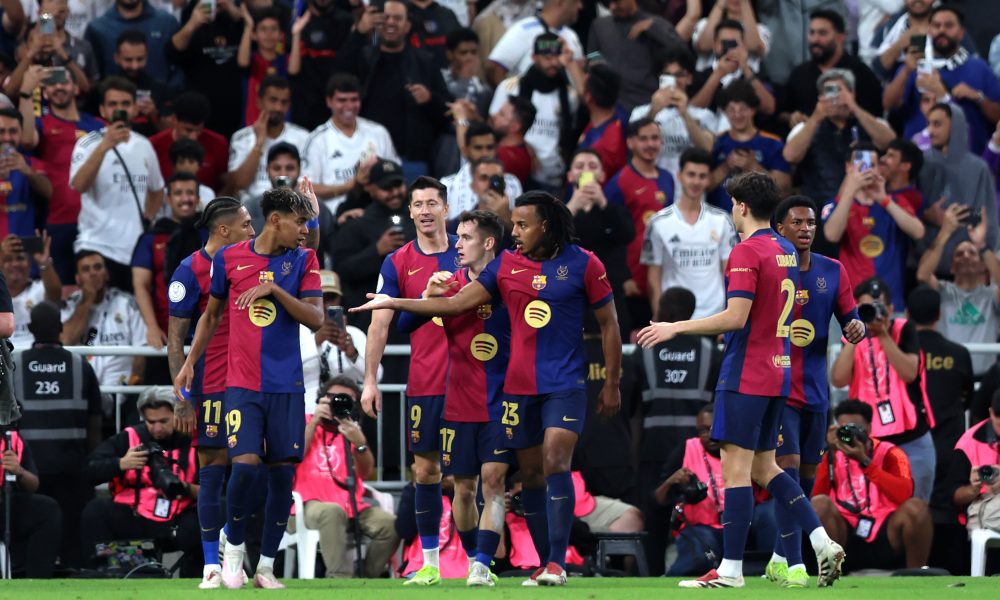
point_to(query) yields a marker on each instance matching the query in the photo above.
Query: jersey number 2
(788, 288)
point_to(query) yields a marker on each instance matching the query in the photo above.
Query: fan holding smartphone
(341, 347)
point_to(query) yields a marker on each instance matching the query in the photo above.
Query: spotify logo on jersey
(537, 314)
(262, 312)
(803, 333)
(484, 347)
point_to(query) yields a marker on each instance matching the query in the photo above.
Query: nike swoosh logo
(422, 512)
(314, 271)
(554, 498)
(499, 452)
(516, 271)
(243, 267)
(787, 535)
(235, 518)
(410, 273)
(640, 190)
(569, 420)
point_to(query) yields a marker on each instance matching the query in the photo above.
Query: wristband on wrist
(884, 202)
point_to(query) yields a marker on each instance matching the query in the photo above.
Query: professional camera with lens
(160, 473)
(694, 491)
(342, 407)
(850, 433)
(517, 504)
(871, 312)
(988, 473)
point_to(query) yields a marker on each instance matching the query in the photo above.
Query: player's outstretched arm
(378, 333)
(609, 400)
(733, 318)
(470, 297)
(207, 325)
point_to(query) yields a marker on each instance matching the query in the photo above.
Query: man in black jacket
(401, 87)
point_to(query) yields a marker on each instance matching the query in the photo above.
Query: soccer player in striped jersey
(754, 380)
(548, 283)
(824, 291)
(227, 222)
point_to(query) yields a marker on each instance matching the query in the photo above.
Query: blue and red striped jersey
(547, 302)
(824, 291)
(404, 274)
(264, 355)
(188, 294)
(764, 268)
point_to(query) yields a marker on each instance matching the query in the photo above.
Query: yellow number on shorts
(510, 416)
(233, 422)
(207, 406)
(787, 287)
(415, 417)
(447, 439)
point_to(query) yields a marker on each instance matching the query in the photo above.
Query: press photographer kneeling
(975, 468)
(864, 497)
(151, 472)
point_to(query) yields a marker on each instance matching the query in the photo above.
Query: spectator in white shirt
(26, 292)
(333, 150)
(248, 146)
(480, 143)
(119, 180)
(512, 54)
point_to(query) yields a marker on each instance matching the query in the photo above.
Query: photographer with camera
(975, 468)
(864, 495)
(330, 480)
(696, 492)
(886, 370)
(151, 471)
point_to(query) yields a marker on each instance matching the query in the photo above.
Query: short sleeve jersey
(478, 350)
(766, 148)
(188, 294)
(264, 355)
(643, 197)
(764, 268)
(824, 291)
(404, 274)
(547, 302)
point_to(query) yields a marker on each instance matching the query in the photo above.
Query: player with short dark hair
(200, 415)
(754, 380)
(271, 284)
(548, 283)
(824, 291)
(404, 274)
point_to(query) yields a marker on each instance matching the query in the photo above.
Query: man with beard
(131, 57)
(901, 33)
(401, 87)
(52, 136)
(25, 188)
(957, 76)
(317, 37)
(732, 63)
(248, 146)
(56, 49)
(16, 264)
(510, 56)
(548, 88)
(337, 153)
(157, 25)
(827, 35)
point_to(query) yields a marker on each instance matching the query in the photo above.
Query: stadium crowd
(121, 121)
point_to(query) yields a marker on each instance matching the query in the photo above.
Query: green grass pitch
(878, 588)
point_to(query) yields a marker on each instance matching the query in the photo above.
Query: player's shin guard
(210, 510)
(789, 542)
(536, 515)
(789, 495)
(240, 501)
(427, 505)
(277, 508)
(561, 502)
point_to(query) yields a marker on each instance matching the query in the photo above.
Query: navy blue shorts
(209, 414)
(750, 422)
(272, 426)
(525, 418)
(803, 432)
(423, 418)
(466, 447)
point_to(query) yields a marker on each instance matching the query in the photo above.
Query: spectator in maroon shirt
(192, 110)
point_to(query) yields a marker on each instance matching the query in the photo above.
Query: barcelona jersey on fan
(824, 290)
(404, 274)
(264, 355)
(188, 294)
(763, 268)
(547, 302)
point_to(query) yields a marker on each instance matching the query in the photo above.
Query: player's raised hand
(855, 331)
(371, 400)
(375, 302)
(248, 297)
(654, 333)
(609, 401)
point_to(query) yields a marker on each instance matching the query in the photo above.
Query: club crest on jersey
(802, 297)
(286, 268)
(484, 311)
(265, 276)
(821, 285)
(415, 436)
(458, 263)
(509, 432)
(538, 282)
(562, 272)
(446, 459)
(262, 312)
(211, 430)
(484, 347)
(232, 441)
(781, 439)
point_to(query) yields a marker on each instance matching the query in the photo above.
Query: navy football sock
(789, 542)
(787, 492)
(210, 510)
(277, 508)
(427, 505)
(239, 501)
(486, 544)
(736, 518)
(536, 515)
(561, 502)
(469, 539)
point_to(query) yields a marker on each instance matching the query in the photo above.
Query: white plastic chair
(982, 539)
(3, 562)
